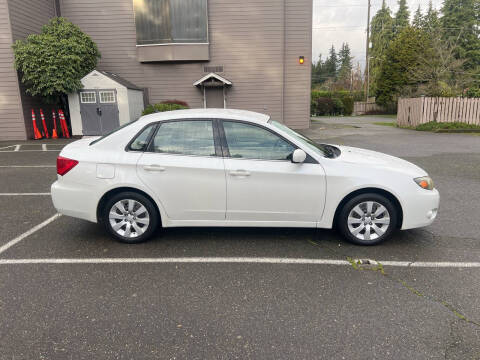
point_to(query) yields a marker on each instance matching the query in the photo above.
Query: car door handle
(154, 168)
(240, 173)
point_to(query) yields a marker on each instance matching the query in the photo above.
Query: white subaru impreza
(218, 167)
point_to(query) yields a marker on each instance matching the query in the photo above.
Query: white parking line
(28, 233)
(233, 260)
(20, 151)
(27, 166)
(25, 194)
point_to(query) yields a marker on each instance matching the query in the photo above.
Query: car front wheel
(130, 217)
(368, 219)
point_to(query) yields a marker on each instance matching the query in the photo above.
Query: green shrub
(473, 93)
(163, 106)
(346, 98)
(338, 107)
(347, 101)
(324, 106)
(433, 125)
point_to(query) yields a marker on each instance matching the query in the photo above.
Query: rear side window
(141, 141)
(247, 141)
(189, 137)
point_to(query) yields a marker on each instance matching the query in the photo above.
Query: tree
(53, 62)
(318, 72)
(381, 34)
(344, 67)
(438, 72)
(401, 58)
(431, 22)
(460, 22)
(331, 64)
(418, 21)
(402, 17)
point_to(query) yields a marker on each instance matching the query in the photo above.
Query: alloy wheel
(368, 220)
(129, 218)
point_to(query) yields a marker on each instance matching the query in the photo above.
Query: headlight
(425, 182)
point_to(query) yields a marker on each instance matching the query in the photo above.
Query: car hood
(379, 160)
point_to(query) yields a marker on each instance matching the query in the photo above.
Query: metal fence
(416, 111)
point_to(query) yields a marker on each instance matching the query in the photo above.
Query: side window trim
(215, 135)
(154, 126)
(226, 151)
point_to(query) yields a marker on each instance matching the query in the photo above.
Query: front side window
(189, 137)
(170, 21)
(253, 142)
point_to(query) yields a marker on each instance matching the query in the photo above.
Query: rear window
(112, 132)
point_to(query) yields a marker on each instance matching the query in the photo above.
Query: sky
(338, 21)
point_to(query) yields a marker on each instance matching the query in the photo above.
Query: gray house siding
(11, 120)
(298, 41)
(254, 40)
(28, 17)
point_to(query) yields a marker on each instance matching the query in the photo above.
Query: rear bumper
(74, 200)
(421, 209)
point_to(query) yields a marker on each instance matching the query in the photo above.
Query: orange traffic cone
(36, 132)
(44, 124)
(54, 131)
(63, 123)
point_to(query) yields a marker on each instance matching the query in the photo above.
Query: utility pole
(367, 62)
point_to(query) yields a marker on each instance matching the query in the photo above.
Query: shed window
(107, 96)
(170, 21)
(88, 97)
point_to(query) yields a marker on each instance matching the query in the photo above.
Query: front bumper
(421, 209)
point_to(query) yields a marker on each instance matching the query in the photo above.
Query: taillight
(64, 165)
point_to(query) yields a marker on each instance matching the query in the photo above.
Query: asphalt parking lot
(68, 291)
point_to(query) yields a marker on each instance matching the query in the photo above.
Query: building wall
(11, 119)
(298, 42)
(259, 54)
(135, 103)
(28, 17)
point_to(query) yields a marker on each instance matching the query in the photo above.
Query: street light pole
(367, 80)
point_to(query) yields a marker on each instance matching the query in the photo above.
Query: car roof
(229, 114)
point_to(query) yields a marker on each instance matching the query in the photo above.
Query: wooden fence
(362, 108)
(416, 111)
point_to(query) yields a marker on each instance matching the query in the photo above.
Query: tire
(357, 224)
(130, 217)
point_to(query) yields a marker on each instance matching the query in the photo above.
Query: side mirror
(299, 156)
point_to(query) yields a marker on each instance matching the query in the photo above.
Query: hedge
(332, 103)
(167, 105)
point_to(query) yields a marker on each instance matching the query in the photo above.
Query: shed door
(99, 111)
(108, 110)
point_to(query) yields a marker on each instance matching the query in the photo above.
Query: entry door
(183, 170)
(214, 97)
(99, 111)
(263, 185)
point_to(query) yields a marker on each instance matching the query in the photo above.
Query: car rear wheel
(368, 219)
(130, 217)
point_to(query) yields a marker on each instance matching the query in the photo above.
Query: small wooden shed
(106, 102)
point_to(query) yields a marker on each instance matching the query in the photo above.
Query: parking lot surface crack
(376, 266)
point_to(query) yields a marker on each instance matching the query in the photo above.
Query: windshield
(112, 132)
(320, 149)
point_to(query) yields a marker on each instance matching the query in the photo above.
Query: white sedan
(216, 167)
